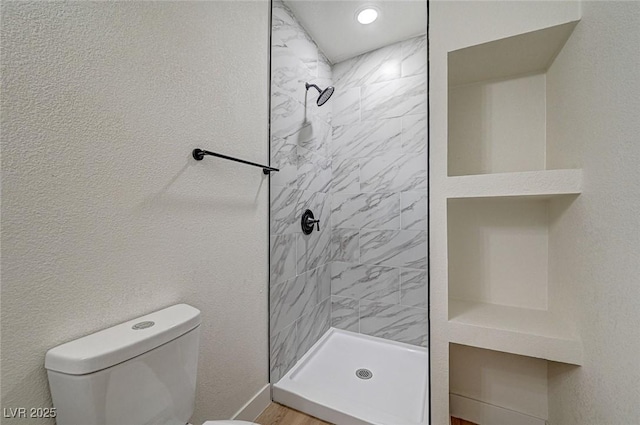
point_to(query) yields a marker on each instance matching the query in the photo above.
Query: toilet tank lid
(122, 342)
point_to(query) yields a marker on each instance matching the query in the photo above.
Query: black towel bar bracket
(198, 154)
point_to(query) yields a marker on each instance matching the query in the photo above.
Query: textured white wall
(105, 216)
(593, 91)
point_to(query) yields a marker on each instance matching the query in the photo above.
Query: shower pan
(352, 379)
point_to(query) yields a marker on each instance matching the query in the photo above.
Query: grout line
(359, 316)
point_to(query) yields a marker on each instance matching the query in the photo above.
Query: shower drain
(364, 374)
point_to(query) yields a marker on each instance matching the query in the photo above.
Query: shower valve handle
(308, 220)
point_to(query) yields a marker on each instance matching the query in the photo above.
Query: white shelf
(521, 54)
(544, 183)
(533, 333)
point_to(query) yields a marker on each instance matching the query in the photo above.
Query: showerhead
(324, 94)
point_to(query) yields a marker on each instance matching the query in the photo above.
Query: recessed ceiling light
(366, 16)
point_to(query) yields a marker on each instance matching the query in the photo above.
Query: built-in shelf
(544, 183)
(507, 185)
(527, 332)
(521, 54)
(504, 206)
(497, 105)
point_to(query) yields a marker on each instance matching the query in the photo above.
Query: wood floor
(456, 421)
(277, 414)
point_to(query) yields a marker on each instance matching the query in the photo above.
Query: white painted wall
(593, 91)
(498, 251)
(105, 216)
(497, 126)
(518, 382)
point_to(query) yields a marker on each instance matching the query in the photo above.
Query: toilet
(141, 372)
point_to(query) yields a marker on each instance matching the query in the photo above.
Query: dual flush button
(142, 325)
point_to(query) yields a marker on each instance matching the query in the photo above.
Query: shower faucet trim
(307, 222)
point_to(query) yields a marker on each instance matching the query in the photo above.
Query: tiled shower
(359, 163)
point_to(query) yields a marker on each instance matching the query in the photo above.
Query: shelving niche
(519, 382)
(506, 195)
(497, 104)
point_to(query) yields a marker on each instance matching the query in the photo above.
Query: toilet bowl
(139, 372)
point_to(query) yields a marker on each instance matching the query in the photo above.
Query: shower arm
(307, 85)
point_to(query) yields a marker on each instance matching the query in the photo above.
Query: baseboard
(252, 409)
(483, 413)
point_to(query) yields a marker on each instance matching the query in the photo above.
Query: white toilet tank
(139, 372)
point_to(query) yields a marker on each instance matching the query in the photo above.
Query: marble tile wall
(301, 132)
(378, 193)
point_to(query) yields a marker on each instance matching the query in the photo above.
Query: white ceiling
(333, 25)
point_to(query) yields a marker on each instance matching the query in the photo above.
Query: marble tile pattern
(322, 278)
(345, 245)
(284, 156)
(414, 57)
(284, 209)
(395, 322)
(377, 66)
(283, 258)
(413, 288)
(301, 132)
(396, 248)
(379, 193)
(388, 173)
(314, 135)
(363, 281)
(359, 163)
(290, 300)
(414, 133)
(314, 171)
(312, 326)
(288, 116)
(366, 210)
(313, 250)
(395, 98)
(346, 106)
(344, 313)
(345, 175)
(283, 352)
(413, 210)
(381, 137)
